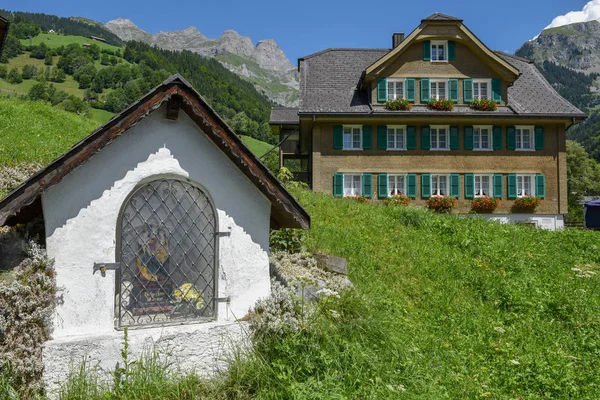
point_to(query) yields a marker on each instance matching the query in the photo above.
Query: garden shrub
(290, 240)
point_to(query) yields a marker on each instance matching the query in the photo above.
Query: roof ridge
(437, 16)
(318, 53)
(503, 53)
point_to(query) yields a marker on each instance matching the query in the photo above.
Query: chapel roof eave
(24, 202)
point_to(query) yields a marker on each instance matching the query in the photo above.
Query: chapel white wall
(81, 215)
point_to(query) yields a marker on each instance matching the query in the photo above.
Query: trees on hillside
(583, 178)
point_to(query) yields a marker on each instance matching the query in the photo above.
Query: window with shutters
(483, 185)
(524, 138)
(482, 89)
(352, 137)
(439, 137)
(395, 89)
(396, 185)
(439, 50)
(482, 138)
(439, 185)
(352, 185)
(525, 185)
(438, 89)
(396, 137)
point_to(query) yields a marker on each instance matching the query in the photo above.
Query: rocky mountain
(576, 46)
(265, 65)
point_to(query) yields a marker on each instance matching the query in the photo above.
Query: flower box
(441, 105)
(441, 204)
(484, 205)
(398, 200)
(484, 105)
(398, 105)
(526, 203)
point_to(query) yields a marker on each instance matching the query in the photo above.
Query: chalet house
(353, 145)
(157, 222)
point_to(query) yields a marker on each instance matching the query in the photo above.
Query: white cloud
(590, 12)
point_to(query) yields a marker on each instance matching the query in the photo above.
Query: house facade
(357, 146)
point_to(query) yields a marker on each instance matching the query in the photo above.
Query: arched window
(167, 251)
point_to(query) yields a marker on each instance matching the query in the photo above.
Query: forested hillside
(88, 77)
(68, 26)
(572, 85)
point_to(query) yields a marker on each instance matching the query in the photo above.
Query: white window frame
(519, 132)
(476, 144)
(490, 185)
(437, 91)
(395, 177)
(437, 141)
(521, 186)
(396, 128)
(355, 191)
(352, 127)
(439, 43)
(395, 81)
(489, 89)
(437, 177)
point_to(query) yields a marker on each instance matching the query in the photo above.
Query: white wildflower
(515, 362)
(499, 329)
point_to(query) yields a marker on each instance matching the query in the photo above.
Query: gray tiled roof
(441, 17)
(532, 94)
(329, 81)
(284, 116)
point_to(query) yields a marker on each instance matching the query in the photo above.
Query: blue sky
(307, 26)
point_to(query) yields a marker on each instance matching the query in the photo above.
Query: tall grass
(444, 308)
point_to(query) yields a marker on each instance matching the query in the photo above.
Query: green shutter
(338, 185)
(411, 185)
(424, 90)
(497, 137)
(498, 178)
(425, 185)
(367, 132)
(382, 137)
(453, 89)
(410, 89)
(469, 186)
(425, 137)
(411, 137)
(381, 90)
(382, 185)
(455, 185)
(497, 90)
(539, 137)
(426, 50)
(367, 182)
(540, 185)
(454, 142)
(468, 90)
(338, 137)
(512, 186)
(468, 137)
(451, 50)
(511, 139)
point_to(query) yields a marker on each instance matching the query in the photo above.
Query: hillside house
(158, 222)
(353, 145)
(99, 39)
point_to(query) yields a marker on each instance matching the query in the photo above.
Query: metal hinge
(102, 267)
(225, 233)
(222, 299)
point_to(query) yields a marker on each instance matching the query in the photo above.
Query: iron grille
(167, 255)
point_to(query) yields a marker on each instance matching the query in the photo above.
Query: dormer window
(438, 89)
(481, 89)
(439, 50)
(395, 89)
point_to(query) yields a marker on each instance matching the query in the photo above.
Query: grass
(444, 308)
(56, 40)
(37, 132)
(256, 146)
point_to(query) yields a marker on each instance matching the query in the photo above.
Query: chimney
(397, 38)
